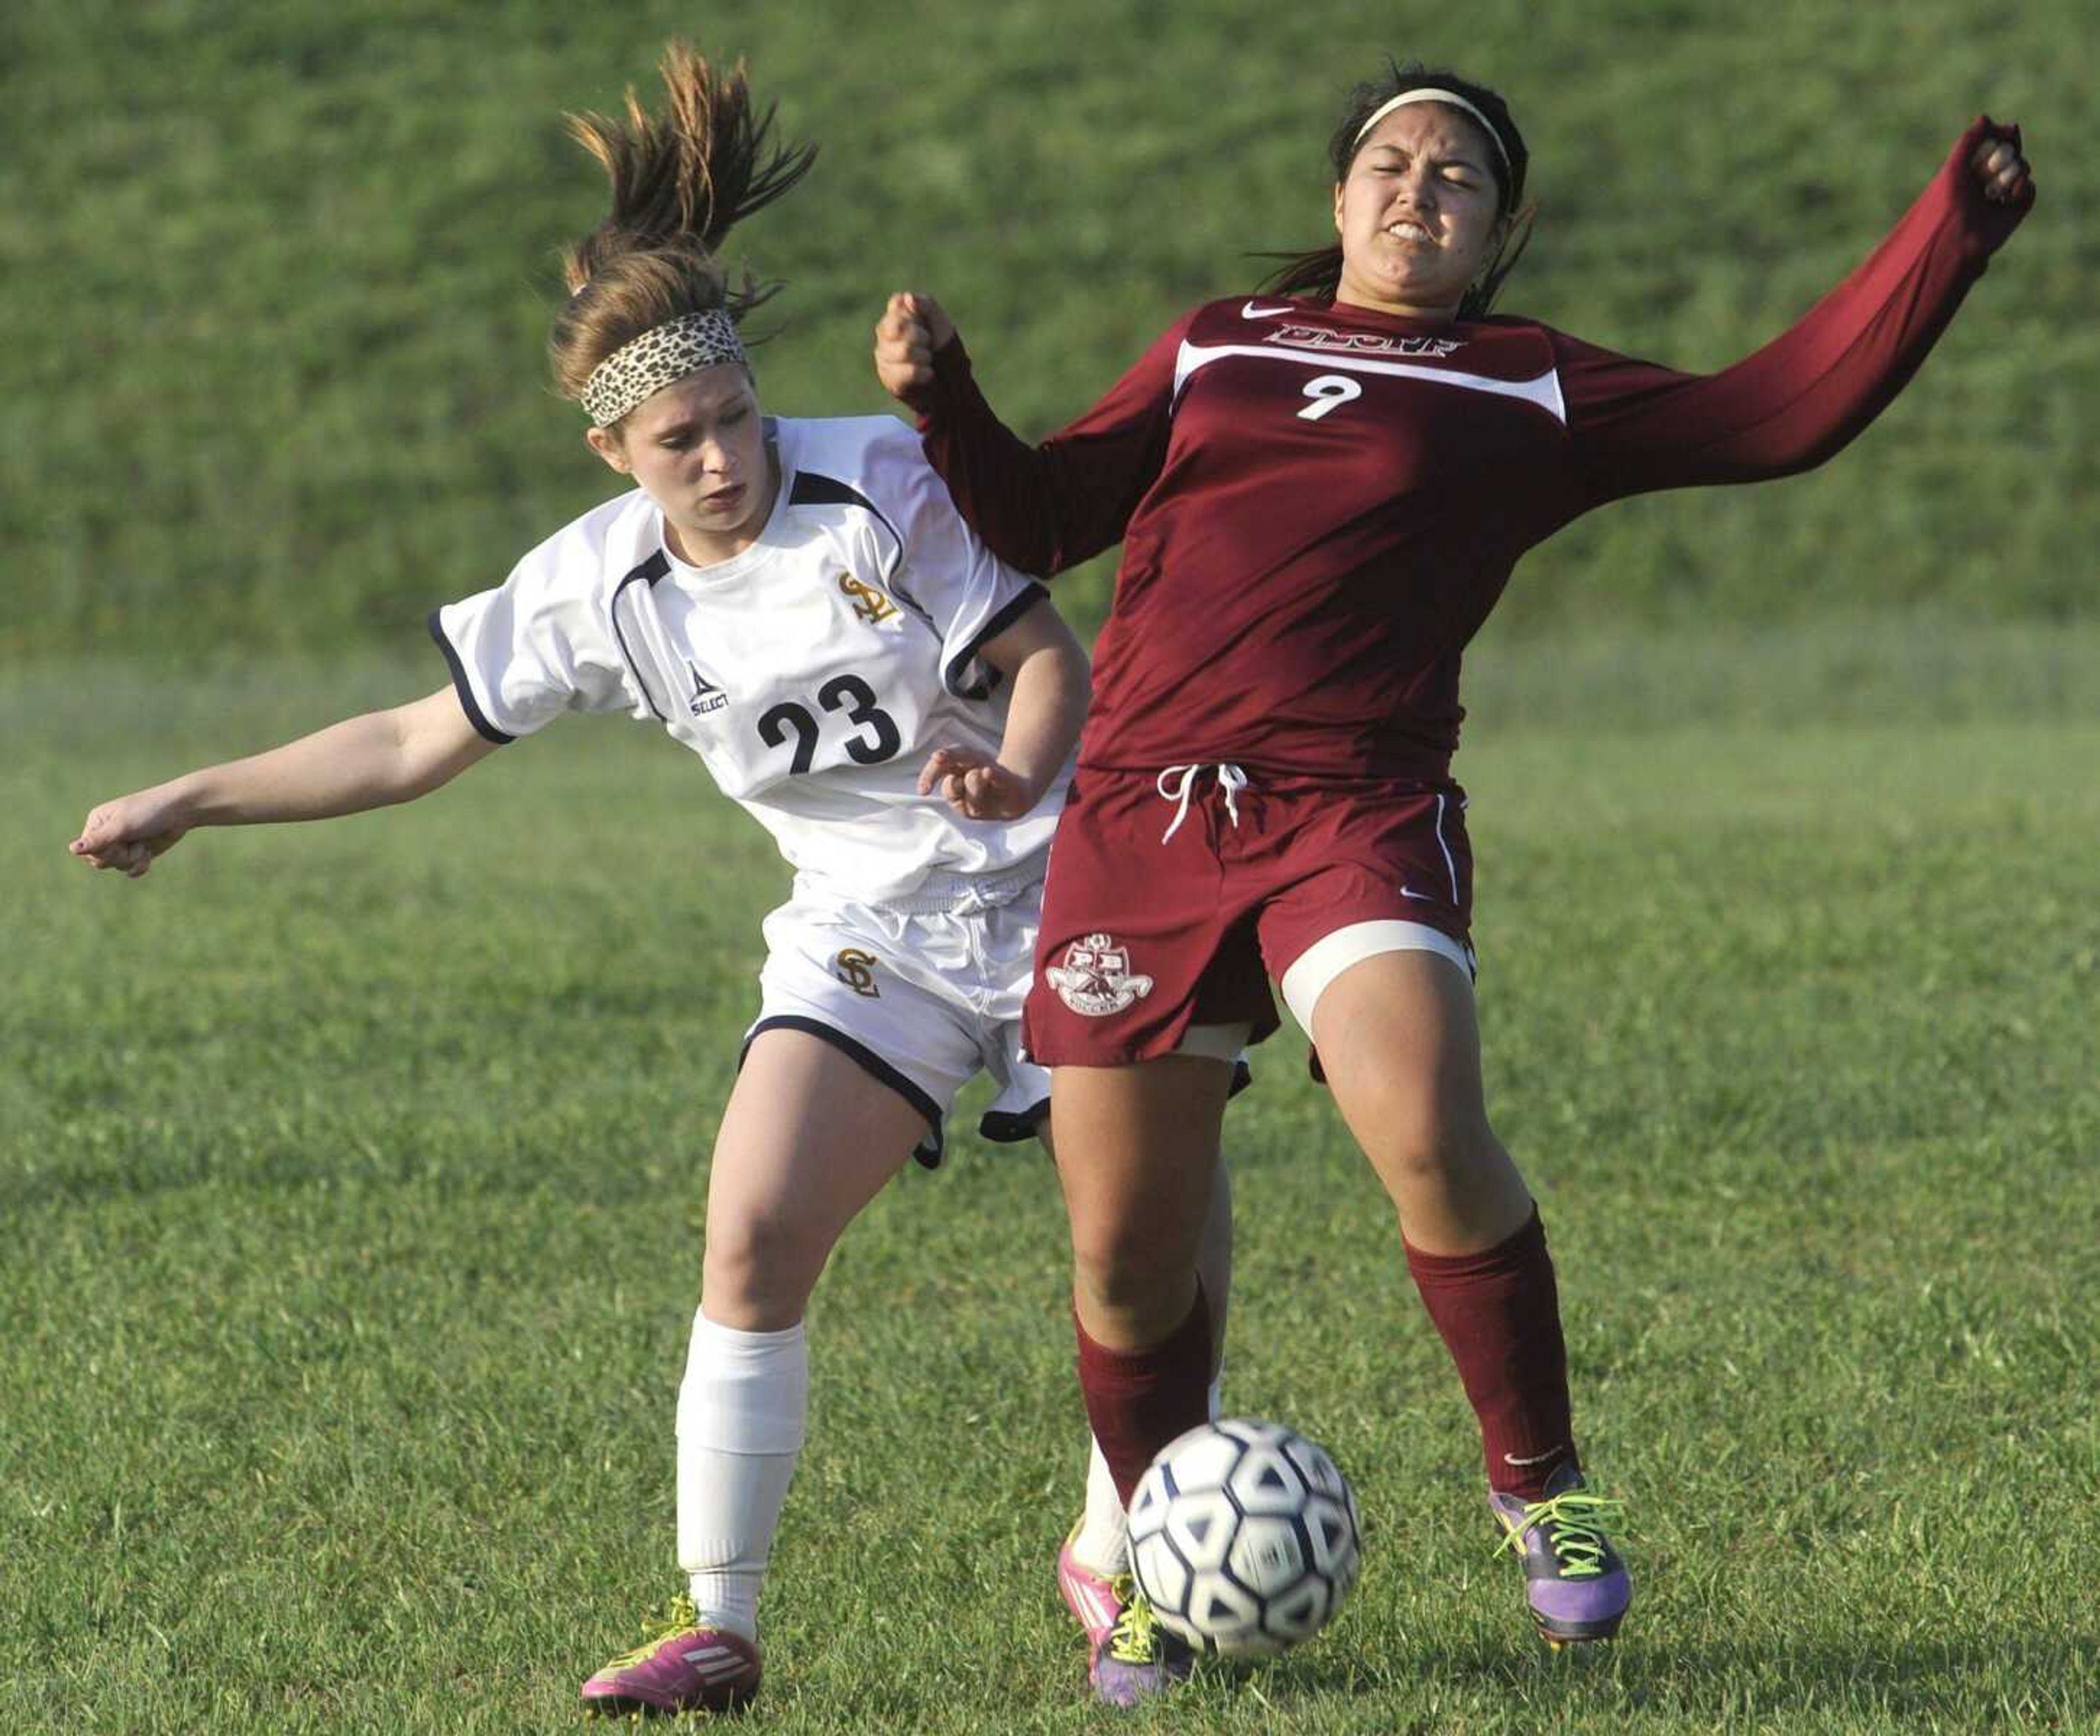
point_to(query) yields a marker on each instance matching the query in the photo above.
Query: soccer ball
(1243, 1538)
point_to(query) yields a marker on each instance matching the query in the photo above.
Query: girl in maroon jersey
(1321, 491)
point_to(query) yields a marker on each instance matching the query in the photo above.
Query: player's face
(698, 447)
(1417, 215)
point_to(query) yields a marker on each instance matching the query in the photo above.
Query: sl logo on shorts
(1095, 976)
(856, 970)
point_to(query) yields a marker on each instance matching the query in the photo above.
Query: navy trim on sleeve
(1006, 617)
(812, 489)
(649, 572)
(465, 688)
(929, 1151)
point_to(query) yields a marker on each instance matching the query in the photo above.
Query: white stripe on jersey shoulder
(1542, 389)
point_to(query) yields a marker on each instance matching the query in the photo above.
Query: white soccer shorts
(923, 993)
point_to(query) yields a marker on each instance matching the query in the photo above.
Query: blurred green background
(278, 276)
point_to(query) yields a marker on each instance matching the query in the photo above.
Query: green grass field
(352, 1175)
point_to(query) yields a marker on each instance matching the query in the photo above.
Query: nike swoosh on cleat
(1425, 898)
(1252, 311)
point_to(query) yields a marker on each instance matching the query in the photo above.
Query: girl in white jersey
(799, 603)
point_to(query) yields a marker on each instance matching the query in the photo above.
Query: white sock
(1103, 1543)
(1104, 1540)
(743, 1411)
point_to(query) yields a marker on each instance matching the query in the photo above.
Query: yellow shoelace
(678, 1615)
(1573, 1522)
(1135, 1637)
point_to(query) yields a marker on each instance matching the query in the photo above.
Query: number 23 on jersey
(876, 738)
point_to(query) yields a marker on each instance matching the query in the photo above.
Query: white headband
(1431, 94)
(663, 353)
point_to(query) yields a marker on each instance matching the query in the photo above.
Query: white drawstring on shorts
(1176, 783)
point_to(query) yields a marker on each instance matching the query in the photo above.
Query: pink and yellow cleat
(685, 1667)
(1092, 1597)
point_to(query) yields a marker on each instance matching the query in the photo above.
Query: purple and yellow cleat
(1578, 1586)
(685, 1667)
(1137, 1658)
(1092, 1597)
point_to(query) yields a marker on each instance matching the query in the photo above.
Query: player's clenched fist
(976, 787)
(129, 832)
(2001, 171)
(912, 327)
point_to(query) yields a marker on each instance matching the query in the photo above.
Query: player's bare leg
(1094, 1563)
(808, 1138)
(1137, 1151)
(1400, 1046)
(1136, 1148)
(1400, 1043)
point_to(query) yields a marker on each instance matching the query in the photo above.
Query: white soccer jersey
(814, 673)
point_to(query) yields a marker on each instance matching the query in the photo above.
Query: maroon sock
(1499, 1314)
(1139, 1400)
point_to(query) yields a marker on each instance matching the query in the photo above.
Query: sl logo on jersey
(1096, 978)
(705, 696)
(868, 602)
(856, 970)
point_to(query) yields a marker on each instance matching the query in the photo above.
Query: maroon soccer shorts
(1160, 913)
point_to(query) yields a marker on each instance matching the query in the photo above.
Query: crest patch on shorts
(856, 970)
(1096, 978)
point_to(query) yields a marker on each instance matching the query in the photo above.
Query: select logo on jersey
(856, 970)
(868, 602)
(1096, 978)
(705, 696)
(1360, 343)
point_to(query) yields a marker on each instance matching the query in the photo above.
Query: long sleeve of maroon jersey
(1047, 507)
(1633, 426)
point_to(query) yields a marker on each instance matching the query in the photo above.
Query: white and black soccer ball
(1243, 1537)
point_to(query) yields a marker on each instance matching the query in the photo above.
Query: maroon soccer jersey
(1320, 504)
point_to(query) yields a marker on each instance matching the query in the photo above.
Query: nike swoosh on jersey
(1250, 310)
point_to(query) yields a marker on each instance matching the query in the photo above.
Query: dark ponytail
(679, 183)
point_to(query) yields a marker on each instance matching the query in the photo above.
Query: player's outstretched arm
(1802, 397)
(369, 761)
(1048, 669)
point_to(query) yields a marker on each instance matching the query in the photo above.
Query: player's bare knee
(1433, 1156)
(1121, 1275)
(761, 1260)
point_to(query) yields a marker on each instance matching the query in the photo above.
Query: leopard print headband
(663, 353)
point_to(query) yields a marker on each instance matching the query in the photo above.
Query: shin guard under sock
(1499, 1312)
